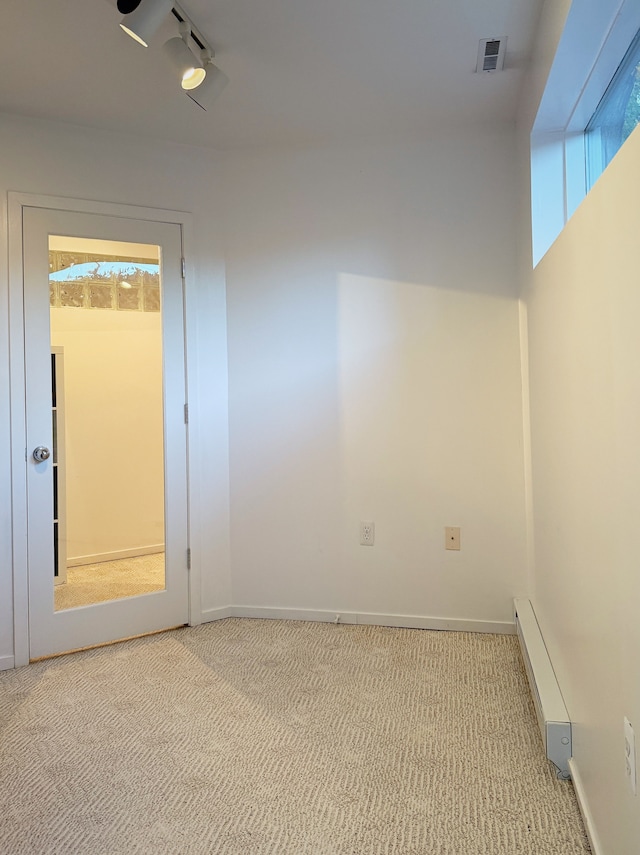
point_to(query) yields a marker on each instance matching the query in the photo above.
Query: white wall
(114, 438)
(406, 409)
(45, 157)
(583, 304)
(375, 374)
(583, 309)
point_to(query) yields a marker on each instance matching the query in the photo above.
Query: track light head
(215, 82)
(143, 17)
(181, 57)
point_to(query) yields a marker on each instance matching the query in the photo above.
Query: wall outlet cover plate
(367, 533)
(452, 537)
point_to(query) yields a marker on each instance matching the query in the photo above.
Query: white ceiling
(300, 70)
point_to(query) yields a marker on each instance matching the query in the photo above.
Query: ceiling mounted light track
(142, 19)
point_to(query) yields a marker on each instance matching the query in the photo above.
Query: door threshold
(107, 643)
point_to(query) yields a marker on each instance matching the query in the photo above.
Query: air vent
(491, 54)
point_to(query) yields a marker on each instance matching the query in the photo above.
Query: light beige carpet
(248, 737)
(110, 580)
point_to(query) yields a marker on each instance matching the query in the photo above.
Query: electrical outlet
(630, 754)
(367, 533)
(452, 537)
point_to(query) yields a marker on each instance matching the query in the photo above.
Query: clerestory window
(616, 115)
(578, 129)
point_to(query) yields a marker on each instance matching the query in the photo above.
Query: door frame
(17, 394)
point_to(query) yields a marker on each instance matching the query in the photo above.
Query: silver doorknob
(41, 453)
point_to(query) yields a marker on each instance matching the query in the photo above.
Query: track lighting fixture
(213, 84)
(181, 56)
(142, 18)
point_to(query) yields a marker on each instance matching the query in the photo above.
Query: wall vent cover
(491, 54)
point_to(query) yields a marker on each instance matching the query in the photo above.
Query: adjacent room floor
(247, 737)
(110, 580)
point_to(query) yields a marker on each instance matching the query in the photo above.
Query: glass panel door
(106, 435)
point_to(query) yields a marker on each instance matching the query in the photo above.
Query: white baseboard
(209, 615)
(6, 662)
(373, 619)
(587, 817)
(99, 557)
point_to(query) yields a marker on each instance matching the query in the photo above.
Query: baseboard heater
(553, 718)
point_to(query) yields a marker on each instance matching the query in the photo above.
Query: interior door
(106, 448)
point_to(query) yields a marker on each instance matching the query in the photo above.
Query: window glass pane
(106, 334)
(616, 116)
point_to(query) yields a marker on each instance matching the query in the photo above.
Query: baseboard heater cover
(551, 711)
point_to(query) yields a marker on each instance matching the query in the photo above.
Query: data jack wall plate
(452, 537)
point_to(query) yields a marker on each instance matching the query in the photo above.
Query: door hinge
(183, 264)
(189, 558)
(186, 414)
